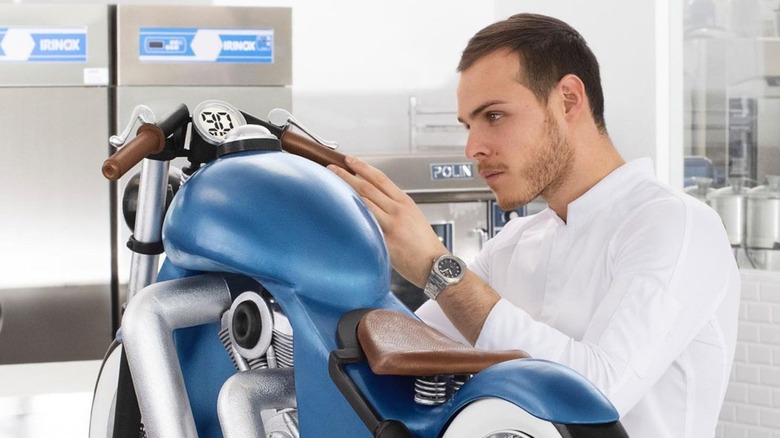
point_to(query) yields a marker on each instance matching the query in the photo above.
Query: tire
(101, 419)
(497, 418)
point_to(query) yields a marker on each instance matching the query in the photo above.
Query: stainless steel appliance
(701, 189)
(762, 236)
(54, 232)
(456, 202)
(729, 202)
(753, 108)
(167, 55)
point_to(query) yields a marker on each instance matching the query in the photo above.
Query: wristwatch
(447, 270)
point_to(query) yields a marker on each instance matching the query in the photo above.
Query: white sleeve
(669, 278)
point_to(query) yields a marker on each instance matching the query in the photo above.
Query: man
(629, 282)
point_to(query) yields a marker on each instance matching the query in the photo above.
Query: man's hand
(410, 239)
(413, 245)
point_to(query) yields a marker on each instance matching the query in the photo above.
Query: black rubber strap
(147, 248)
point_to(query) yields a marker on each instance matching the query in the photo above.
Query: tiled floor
(46, 400)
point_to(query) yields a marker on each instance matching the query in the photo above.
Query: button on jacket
(638, 291)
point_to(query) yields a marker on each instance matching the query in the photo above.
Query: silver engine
(258, 336)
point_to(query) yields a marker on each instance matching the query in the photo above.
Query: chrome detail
(147, 330)
(266, 322)
(281, 118)
(141, 113)
(246, 394)
(282, 345)
(248, 132)
(457, 382)
(224, 335)
(435, 390)
(431, 390)
(152, 189)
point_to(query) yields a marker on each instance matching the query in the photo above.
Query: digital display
(214, 119)
(217, 123)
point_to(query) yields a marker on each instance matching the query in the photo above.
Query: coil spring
(435, 390)
(431, 390)
(457, 382)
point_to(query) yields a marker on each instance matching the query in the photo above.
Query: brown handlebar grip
(148, 140)
(307, 148)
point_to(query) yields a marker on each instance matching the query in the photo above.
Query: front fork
(146, 246)
(146, 241)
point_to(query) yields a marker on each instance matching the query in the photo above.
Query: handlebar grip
(148, 140)
(306, 148)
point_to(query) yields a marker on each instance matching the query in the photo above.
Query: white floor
(46, 400)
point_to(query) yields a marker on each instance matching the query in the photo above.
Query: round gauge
(214, 119)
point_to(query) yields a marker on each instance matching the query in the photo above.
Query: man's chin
(513, 203)
(509, 204)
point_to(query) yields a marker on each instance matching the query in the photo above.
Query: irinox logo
(452, 171)
(239, 46)
(60, 45)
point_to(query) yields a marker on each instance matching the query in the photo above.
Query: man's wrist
(447, 270)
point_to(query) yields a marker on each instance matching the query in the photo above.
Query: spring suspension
(457, 381)
(435, 390)
(431, 390)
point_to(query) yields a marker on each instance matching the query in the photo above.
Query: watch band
(434, 286)
(438, 281)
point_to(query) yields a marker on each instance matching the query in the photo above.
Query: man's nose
(475, 147)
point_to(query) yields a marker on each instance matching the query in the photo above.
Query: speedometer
(214, 119)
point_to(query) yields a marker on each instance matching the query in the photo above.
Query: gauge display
(214, 119)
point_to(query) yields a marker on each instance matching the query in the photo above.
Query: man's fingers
(376, 177)
(378, 199)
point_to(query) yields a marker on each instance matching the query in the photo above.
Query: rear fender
(546, 390)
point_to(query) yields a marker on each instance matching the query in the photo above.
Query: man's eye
(493, 116)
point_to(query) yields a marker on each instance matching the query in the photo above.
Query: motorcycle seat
(396, 344)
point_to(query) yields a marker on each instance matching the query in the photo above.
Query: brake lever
(282, 118)
(141, 113)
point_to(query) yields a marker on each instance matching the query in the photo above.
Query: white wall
(355, 63)
(633, 44)
(752, 406)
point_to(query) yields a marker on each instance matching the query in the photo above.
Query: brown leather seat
(396, 344)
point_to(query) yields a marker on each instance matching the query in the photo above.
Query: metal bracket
(141, 113)
(282, 118)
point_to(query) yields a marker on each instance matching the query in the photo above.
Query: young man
(622, 278)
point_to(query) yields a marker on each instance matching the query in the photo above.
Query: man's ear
(572, 90)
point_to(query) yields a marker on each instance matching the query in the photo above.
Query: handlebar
(149, 139)
(305, 147)
(310, 149)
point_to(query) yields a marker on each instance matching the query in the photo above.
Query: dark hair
(549, 49)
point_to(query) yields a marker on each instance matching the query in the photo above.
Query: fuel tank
(283, 219)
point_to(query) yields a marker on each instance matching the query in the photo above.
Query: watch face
(449, 268)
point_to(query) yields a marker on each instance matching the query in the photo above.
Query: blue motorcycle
(272, 316)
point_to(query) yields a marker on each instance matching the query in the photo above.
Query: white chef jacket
(638, 291)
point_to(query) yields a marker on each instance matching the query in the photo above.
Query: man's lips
(488, 173)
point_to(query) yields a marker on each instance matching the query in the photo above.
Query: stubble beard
(547, 170)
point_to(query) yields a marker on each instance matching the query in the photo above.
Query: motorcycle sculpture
(272, 315)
